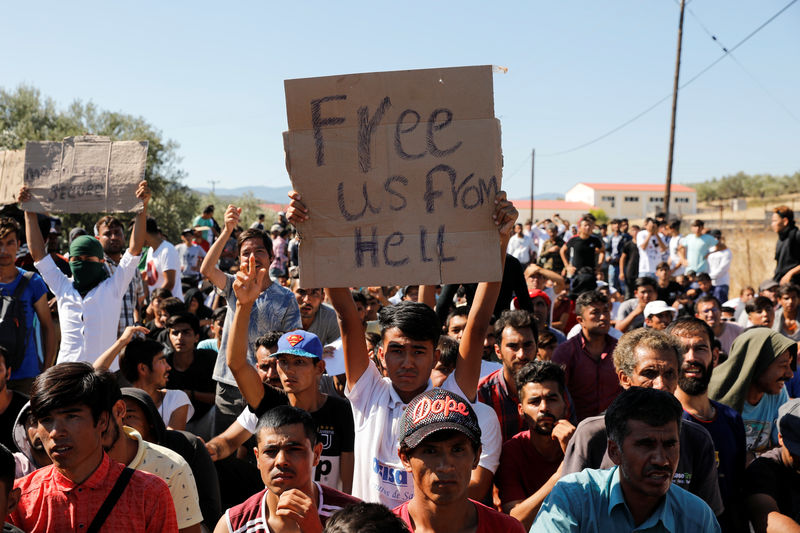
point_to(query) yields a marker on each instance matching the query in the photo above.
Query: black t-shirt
(197, 377)
(581, 252)
(631, 252)
(334, 424)
(670, 292)
(9, 416)
(768, 475)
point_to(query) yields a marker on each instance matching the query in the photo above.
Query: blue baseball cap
(299, 342)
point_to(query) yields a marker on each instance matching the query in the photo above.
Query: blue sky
(210, 76)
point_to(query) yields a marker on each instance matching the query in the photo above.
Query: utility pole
(667, 192)
(533, 160)
(213, 182)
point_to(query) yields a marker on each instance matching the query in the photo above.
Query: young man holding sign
(89, 303)
(409, 335)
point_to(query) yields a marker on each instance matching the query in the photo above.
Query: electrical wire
(681, 86)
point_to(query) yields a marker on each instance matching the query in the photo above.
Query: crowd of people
(608, 381)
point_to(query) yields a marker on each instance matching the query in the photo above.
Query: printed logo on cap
(294, 340)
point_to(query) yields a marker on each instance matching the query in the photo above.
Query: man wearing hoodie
(751, 381)
(92, 300)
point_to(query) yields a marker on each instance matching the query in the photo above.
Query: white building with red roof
(634, 200)
(542, 209)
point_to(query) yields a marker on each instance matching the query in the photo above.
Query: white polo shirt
(378, 474)
(89, 323)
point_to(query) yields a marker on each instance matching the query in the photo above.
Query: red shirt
(489, 520)
(522, 469)
(52, 502)
(593, 384)
(493, 391)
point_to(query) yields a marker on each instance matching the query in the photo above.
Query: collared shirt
(130, 300)
(592, 383)
(175, 471)
(378, 474)
(49, 501)
(89, 324)
(592, 500)
(493, 391)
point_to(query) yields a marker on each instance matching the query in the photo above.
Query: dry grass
(753, 258)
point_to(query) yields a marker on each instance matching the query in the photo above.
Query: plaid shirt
(492, 391)
(130, 299)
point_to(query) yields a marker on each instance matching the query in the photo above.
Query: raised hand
(143, 193)
(232, 214)
(297, 211)
(505, 215)
(249, 282)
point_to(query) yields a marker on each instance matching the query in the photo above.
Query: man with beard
(530, 461)
(515, 345)
(723, 423)
(317, 317)
(109, 231)
(125, 445)
(586, 358)
(92, 300)
(637, 494)
(650, 358)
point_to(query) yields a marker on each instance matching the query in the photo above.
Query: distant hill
(275, 195)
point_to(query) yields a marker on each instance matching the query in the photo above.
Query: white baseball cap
(656, 307)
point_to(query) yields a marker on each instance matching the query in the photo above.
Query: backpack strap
(23, 283)
(110, 501)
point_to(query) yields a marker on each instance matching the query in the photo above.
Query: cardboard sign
(89, 174)
(12, 163)
(399, 171)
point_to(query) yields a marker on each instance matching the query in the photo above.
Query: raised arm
(139, 226)
(106, 358)
(247, 287)
(468, 367)
(209, 267)
(32, 233)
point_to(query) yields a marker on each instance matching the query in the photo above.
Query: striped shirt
(251, 515)
(493, 391)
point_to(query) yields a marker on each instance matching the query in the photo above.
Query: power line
(686, 83)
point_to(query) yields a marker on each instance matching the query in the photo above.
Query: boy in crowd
(409, 335)
(70, 401)
(440, 444)
(287, 449)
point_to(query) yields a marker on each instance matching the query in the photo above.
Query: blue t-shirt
(36, 288)
(760, 421)
(696, 250)
(208, 344)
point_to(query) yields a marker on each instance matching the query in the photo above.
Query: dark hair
(787, 288)
(208, 209)
(67, 384)
(184, 318)
(448, 347)
(646, 281)
(219, 314)
(161, 293)
(707, 298)
(699, 223)
(517, 319)
(286, 415)
(703, 276)
(365, 517)
(462, 310)
(538, 371)
(358, 297)
(138, 351)
(254, 233)
(109, 221)
(8, 469)
(758, 304)
(676, 225)
(546, 338)
(268, 340)
(589, 298)
(151, 226)
(4, 353)
(652, 406)
(663, 265)
(9, 225)
(784, 211)
(415, 319)
(588, 217)
(173, 305)
(689, 325)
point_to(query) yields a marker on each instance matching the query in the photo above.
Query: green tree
(599, 215)
(25, 115)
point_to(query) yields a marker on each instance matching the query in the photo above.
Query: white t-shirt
(190, 257)
(650, 257)
(674, 258)
(164, 258)
(173, 399)
(378, 475)
(520, 248)
(719, 266)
